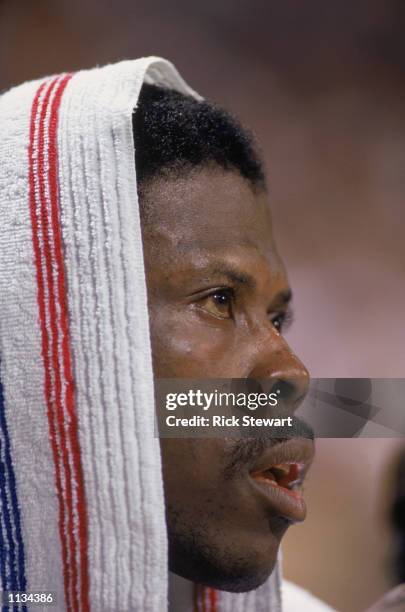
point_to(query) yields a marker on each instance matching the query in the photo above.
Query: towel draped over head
(81, 494)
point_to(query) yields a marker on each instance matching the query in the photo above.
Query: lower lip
(282, 502)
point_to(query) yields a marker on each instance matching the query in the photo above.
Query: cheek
(192, 462)
(193, 473)
(191, 479)
(184, 347)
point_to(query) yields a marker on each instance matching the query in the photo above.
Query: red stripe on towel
(45, 340)
(55, 398)
(204, 596)
(213, 600)
(69, 397)
(58, 376)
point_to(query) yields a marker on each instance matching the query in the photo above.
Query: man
(219, 299)
(84, 524)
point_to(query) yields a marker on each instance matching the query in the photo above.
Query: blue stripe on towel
(12, 561)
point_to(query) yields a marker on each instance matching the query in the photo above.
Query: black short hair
(174, 133)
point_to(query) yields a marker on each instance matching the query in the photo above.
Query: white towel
(81, 494)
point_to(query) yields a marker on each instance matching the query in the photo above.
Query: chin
(237, 581)
(247, 565)
(242, 583)
(235, 571)
(229, 559)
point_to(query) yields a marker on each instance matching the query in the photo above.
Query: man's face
(218, 293)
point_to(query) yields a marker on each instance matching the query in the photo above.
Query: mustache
(244, 452)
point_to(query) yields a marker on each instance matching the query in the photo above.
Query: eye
(218, 303)
(282, 320)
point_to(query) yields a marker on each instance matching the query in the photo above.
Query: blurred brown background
(322, 84)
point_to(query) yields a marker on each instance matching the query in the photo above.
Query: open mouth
(289, 476)
(279, 474)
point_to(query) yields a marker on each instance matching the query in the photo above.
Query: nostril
(290, 391)
(284, 389)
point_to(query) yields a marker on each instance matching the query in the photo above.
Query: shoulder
(296, 598)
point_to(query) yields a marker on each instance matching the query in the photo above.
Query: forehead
(210, 214)
(207, 203)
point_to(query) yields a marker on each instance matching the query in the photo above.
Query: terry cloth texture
(81, 494)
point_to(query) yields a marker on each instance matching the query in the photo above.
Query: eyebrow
(243, 278)
(232, 274)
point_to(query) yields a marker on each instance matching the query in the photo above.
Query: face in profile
(218, 303)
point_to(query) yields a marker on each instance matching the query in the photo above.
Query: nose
(275, 361)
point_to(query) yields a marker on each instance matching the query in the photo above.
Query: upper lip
(297, 452)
